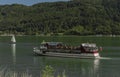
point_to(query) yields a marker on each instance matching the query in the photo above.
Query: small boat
(13, 40)
(58, 49)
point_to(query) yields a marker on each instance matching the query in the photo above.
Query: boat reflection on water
(72, 67)
(13, 49)
(96, 64)
(91, 71)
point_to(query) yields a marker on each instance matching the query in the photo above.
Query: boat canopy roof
(88, 45)
(53, 43)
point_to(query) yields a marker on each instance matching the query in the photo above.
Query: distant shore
(64, 35)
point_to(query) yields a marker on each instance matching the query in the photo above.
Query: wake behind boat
(85, 50)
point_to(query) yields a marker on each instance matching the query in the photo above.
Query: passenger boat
(58, 49)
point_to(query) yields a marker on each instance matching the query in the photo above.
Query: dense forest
(75, 17)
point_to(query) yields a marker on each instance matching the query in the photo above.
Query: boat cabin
(87, 47)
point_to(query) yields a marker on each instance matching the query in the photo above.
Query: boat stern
(96, 55)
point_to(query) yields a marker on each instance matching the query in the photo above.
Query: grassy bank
(48, 71)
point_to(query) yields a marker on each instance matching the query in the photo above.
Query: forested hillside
(76, 17)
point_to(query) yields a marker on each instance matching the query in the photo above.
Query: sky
(26, 2)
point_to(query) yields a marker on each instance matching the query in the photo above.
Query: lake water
(19, 57)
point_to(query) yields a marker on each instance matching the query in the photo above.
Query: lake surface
(19, 57)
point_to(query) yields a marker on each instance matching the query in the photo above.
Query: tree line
(74, 17)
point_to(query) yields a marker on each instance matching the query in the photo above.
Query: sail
(13, 39)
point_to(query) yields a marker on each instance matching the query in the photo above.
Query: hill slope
(77, 17)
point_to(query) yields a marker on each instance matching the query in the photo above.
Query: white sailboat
(13, 40)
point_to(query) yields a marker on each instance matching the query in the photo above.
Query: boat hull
(70, 55)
